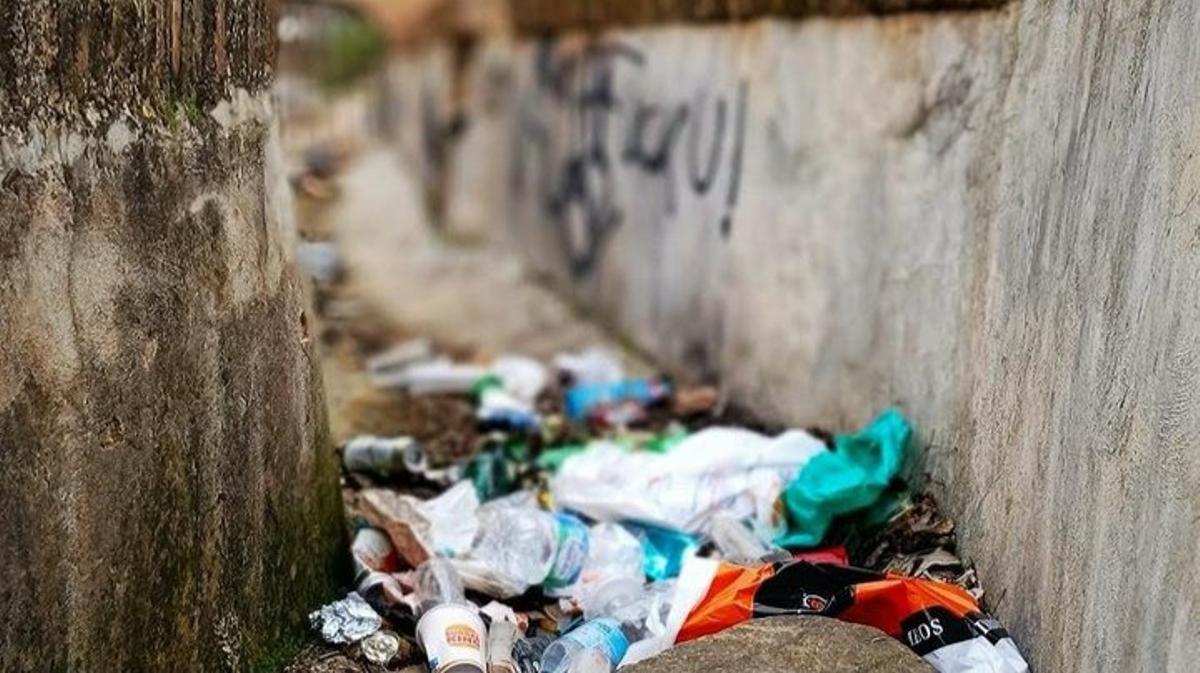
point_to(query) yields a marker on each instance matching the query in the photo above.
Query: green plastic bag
(850, 477)
(552, 458)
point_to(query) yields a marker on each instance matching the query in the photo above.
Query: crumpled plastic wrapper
(380, 647)
(346, 621)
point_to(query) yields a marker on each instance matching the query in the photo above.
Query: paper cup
(453, 639)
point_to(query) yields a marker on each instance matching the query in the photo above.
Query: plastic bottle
(613, 575)
(436, 376)
(642, 615)
(741, 545)
(530, 546)
(582, 398)
(583, 647)
(591, 660)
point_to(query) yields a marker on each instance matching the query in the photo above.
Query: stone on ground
(787, 645)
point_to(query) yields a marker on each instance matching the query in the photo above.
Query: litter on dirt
(586, 521)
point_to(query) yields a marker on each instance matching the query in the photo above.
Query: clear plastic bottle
(591, 660)
(598, 644)
(607, 638)
(530, 546)
(741, 545)
(614, 573)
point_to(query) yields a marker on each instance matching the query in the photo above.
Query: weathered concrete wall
(546, 16)
(169, 497)
(987, 217)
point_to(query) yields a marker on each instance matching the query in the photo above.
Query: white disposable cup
(453, 638)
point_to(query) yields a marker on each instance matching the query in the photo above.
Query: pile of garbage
(603, 519)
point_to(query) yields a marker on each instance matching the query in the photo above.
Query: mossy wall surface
(169, 495)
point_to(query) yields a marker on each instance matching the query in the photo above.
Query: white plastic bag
(717, 469)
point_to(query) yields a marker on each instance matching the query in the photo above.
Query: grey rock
(788, 644)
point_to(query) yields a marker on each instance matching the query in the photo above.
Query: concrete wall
(169, 496)
(987, 217)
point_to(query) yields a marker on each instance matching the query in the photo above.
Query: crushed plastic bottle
(529, 546)
(528, 652)
(645, 616)
(613, 574)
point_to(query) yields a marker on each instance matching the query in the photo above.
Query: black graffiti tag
(577, 183)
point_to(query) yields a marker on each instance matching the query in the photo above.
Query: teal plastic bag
(850, 477)
(665, 549)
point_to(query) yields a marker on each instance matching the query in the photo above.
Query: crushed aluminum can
(373, 551)
(346, 621)
(382, 456)
(380, 647)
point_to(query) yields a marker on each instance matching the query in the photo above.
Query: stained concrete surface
(984, 217)
(169, 497)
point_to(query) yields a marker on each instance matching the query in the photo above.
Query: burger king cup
(449, 630)
(452, 636)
